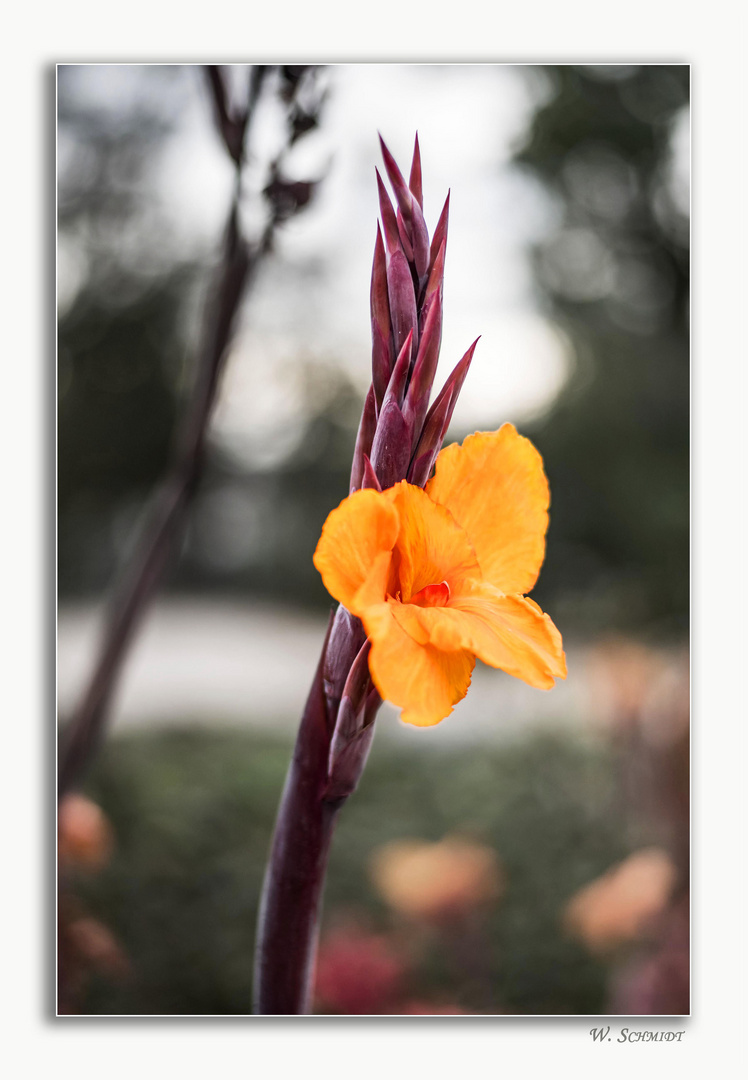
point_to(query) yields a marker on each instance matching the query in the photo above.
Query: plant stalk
(316, 787)
(292, 890)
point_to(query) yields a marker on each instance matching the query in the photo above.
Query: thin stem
(84, 731)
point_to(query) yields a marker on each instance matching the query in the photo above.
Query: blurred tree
(124, 321)
(614, 274)
(181, 895)
(130, 288)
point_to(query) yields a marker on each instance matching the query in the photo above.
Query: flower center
(432, 595)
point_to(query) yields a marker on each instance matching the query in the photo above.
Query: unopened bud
(399, 378)
(402, 298)
(437, 422)
(380, 305)
(389, 221)
(370, 477)
(419, 389)
(401, 189)
(390, 451)
(440, 233)
(404, 238)
(366, 429)
(421, 253)
(415, 182)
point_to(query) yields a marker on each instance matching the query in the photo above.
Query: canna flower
(438, 575)
(429, 573)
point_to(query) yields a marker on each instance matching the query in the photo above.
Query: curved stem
(292, 893)
(312, 797)
(287, 927)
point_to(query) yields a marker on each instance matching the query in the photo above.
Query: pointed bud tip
(370, 479)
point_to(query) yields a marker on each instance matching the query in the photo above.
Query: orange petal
(374, 589)
(364, 526)
(423, 681)
(496, 489)
(507, 632)
(431, 547)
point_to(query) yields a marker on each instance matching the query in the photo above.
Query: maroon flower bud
(381, 367)
(404, 238)
(389, 221)
(401, 189)
(349, 761)
(398, 433)
(391, 449)
(434, 288)
(357, 686)
(437, 422)
(400, 372)
(402, 298)
(421, 254)
(440, 233)
(415, 183)
(370, 477)
(436, 274)
(380, 305)
(366, 429)
(416, 402)
(393, 437)
(354, 729)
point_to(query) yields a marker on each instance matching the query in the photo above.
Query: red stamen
(432, 595)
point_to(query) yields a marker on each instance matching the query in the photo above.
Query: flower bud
(437, 422)
(402, 298)
(415, 183)
(366, 429)
(440, 233)
(390, 451)
(419, 389)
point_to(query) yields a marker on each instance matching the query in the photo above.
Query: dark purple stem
(295, 875)
(287, 929)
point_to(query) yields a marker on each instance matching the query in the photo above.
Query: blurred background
(530, 854)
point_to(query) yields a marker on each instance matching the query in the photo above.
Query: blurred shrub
(192, 814)
(614, 274)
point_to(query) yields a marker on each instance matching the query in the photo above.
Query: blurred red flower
(358, 973)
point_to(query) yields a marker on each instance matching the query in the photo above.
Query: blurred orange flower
(84, 835)
(437, 575)
(436, 881)
(622, 904)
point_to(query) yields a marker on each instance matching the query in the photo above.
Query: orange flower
(436, 881)
(437, 575)
(622, 904)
